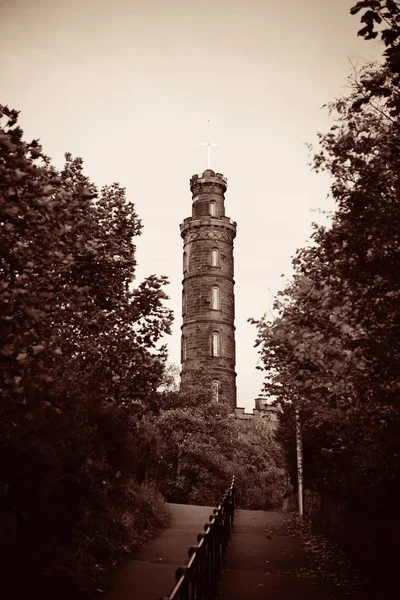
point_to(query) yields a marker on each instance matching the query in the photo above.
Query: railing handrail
(199, 578)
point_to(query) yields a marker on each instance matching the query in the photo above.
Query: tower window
(215, 389)
(214, 257)
(185, 262)
(183, 349)
(213, 209)
(183, 302)
(215, 344)
(215, 298)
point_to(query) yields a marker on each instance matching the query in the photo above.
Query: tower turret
(208, 301)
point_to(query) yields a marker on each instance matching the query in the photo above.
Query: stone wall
(269, 414)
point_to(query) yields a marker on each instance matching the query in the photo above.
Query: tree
(202, 445)
(260, 467)
(333, 350)
(197, 435)
(67, 266)
(80, 362)
(385, 16)
(334, 345)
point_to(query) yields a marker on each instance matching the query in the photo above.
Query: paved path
(262, 560)
(151, 574)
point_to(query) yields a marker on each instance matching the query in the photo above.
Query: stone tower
(208, 301)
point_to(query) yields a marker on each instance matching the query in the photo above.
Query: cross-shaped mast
(208, 145)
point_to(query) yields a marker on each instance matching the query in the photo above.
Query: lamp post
(299, 453)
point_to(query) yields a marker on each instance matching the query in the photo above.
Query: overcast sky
(129, 86)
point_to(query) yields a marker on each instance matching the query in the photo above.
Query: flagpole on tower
(209, 145)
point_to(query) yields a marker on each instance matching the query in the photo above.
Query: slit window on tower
(185, 262)
(183, 303)
(215, 344)
(213, 209)
(215, 389)
(214, 257)
(215, 298)
(183, 349)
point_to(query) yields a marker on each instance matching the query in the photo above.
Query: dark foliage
(334, 348)
(78, 368)
(202, 445)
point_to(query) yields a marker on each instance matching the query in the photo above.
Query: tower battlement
(209, 175)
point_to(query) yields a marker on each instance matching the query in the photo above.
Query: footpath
(265, 560)
(151, 574)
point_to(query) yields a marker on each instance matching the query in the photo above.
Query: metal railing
(198, 580)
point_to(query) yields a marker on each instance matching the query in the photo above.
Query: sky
(129, 85)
